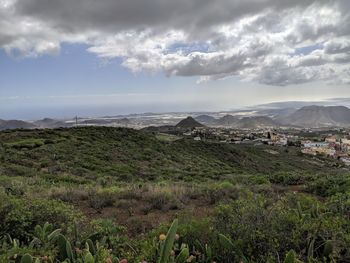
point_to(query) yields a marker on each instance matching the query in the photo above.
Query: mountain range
(308, 116)
(15, 124)
(231, 121)
(318, 116)
(314, 116)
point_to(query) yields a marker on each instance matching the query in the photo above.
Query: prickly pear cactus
(27, 259)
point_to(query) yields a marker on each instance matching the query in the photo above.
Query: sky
(109, 57)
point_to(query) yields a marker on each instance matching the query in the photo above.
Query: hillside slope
(128, 155)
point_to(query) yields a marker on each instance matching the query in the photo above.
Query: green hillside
(110, 194)
(130, 155)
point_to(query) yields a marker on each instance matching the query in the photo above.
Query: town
(330, 143)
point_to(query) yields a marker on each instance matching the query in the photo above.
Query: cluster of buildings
(334, 146)
(226, 135)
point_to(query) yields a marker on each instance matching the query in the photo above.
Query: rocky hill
(189, 122)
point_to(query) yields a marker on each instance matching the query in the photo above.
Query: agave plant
(44, 236)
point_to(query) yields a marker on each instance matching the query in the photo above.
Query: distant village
(334, 145)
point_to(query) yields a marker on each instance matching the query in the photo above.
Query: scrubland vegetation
(110, 195)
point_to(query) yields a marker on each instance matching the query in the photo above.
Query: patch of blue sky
(307, 49)
(189, 48)
(73, 71)
(77, 78)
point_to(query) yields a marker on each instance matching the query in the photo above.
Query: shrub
(340, 204)
(264, 229)
(69, 195)
(224, 191)
(286, 178)
(26, 144)
(13, 186)
(101, 198)
(18, 217)
(162, 200)
(329, 185)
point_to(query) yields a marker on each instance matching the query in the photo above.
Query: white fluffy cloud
(274, 42)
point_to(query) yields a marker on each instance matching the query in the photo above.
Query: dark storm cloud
(125, 14)
(253, 39)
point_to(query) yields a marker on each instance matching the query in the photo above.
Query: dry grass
(147, 197)
(69, 195)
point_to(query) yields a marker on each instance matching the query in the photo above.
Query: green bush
(26, 144)
(224, 191)
(18, 216)
(263, 229)
(100, 198)
(162, 200)
(329, 185)
(286, 178)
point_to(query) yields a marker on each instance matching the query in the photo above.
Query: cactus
(91, 246)
(88, 258)
(205, 250)
(290, 257)
(44, 236)
(315, 211)
(47, 228)
(75, 231)
(61, 242)
(208, 253)
(38, 231)
(15, 243)
(299, 211)
(183, 255)
(64, 248)
(198, 245)
(168, 243)
(328, 249)
(226, 242)
(53, 235)
(69, 251)
(27, 259)
(311, 246)
(42, 233)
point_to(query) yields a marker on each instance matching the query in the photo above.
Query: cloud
(254, 40)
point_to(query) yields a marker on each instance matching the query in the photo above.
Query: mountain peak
(189, 122)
